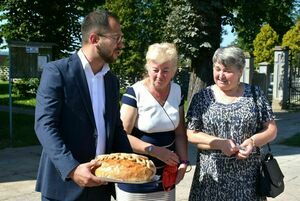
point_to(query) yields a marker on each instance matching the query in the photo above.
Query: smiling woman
(153, 117)
(222, 122)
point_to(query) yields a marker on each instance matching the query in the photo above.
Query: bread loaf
(123, 167)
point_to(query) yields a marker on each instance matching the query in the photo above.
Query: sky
(229, 37)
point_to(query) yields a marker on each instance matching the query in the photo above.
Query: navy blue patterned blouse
(218, 177)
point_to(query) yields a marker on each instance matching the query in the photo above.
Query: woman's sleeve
(194, 114)
(129, 97)
(264, 105)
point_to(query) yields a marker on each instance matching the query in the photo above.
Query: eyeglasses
(116, 38)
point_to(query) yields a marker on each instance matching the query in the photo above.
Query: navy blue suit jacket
(65, 126)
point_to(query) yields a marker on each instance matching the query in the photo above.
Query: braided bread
(125, 167)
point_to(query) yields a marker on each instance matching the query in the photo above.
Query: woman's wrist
(150, 150)
(252, 139)
(186, 162)
(218, 143)
(186, 165)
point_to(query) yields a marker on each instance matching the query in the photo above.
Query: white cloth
(97, 93)
(155, 196)
(152, 117)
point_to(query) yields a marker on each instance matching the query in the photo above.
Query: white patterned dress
(217, 176)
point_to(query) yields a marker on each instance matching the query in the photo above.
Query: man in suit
(77, 114)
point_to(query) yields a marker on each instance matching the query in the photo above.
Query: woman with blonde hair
(153, 117)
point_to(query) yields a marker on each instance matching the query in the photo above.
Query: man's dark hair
(96, 21)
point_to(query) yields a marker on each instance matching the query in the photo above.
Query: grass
(22, 124)
(292, 141)
(27, 102)
(22, 133)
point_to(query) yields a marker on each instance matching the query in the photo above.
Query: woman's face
(226, 78)
(160, 75)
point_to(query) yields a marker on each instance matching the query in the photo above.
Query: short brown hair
(96, 21)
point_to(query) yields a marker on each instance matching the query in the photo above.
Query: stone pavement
(18, 166)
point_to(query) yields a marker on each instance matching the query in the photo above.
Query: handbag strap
(258, 119)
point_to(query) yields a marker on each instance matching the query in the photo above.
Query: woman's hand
(245, 149)
(228, 147)
(181, 172)
(165, 155)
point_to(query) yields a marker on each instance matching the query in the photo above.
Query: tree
(264, 44)
(195, 26)
(247, 17)
(142, 22)
(56, 21)
(292, 40)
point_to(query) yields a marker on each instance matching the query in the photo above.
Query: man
(77, 115)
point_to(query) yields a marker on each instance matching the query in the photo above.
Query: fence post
(264, 69)
(280, 80)
(248, 70)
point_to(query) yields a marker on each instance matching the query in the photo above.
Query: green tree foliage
(142, 23)
(192, 26)
(55, 21)
(195, 26)
(247, 17)
(292, 38)
(296, 11)
(264, 44)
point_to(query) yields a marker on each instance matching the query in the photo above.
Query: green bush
(4, 73)
(26, 87)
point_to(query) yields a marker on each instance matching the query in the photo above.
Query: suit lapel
(82, 86)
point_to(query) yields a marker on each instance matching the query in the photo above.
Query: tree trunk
(200, 77)
(201, 67)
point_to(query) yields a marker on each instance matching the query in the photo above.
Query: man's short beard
(105, 57)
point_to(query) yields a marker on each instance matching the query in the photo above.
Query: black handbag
(270, 177)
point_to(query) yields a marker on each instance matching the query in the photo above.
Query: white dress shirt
(97, 93)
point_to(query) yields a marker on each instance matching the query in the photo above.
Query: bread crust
(125, 167)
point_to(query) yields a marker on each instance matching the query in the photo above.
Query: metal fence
(294, 81)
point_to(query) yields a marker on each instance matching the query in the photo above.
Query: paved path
(18, 167)
(17, 109)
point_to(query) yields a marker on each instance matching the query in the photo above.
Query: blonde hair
(161, 53)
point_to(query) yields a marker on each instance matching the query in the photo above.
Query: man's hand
(82, 175)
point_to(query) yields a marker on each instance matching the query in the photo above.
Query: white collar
(87, 67)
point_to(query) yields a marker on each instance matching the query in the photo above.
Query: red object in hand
(169, 177)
